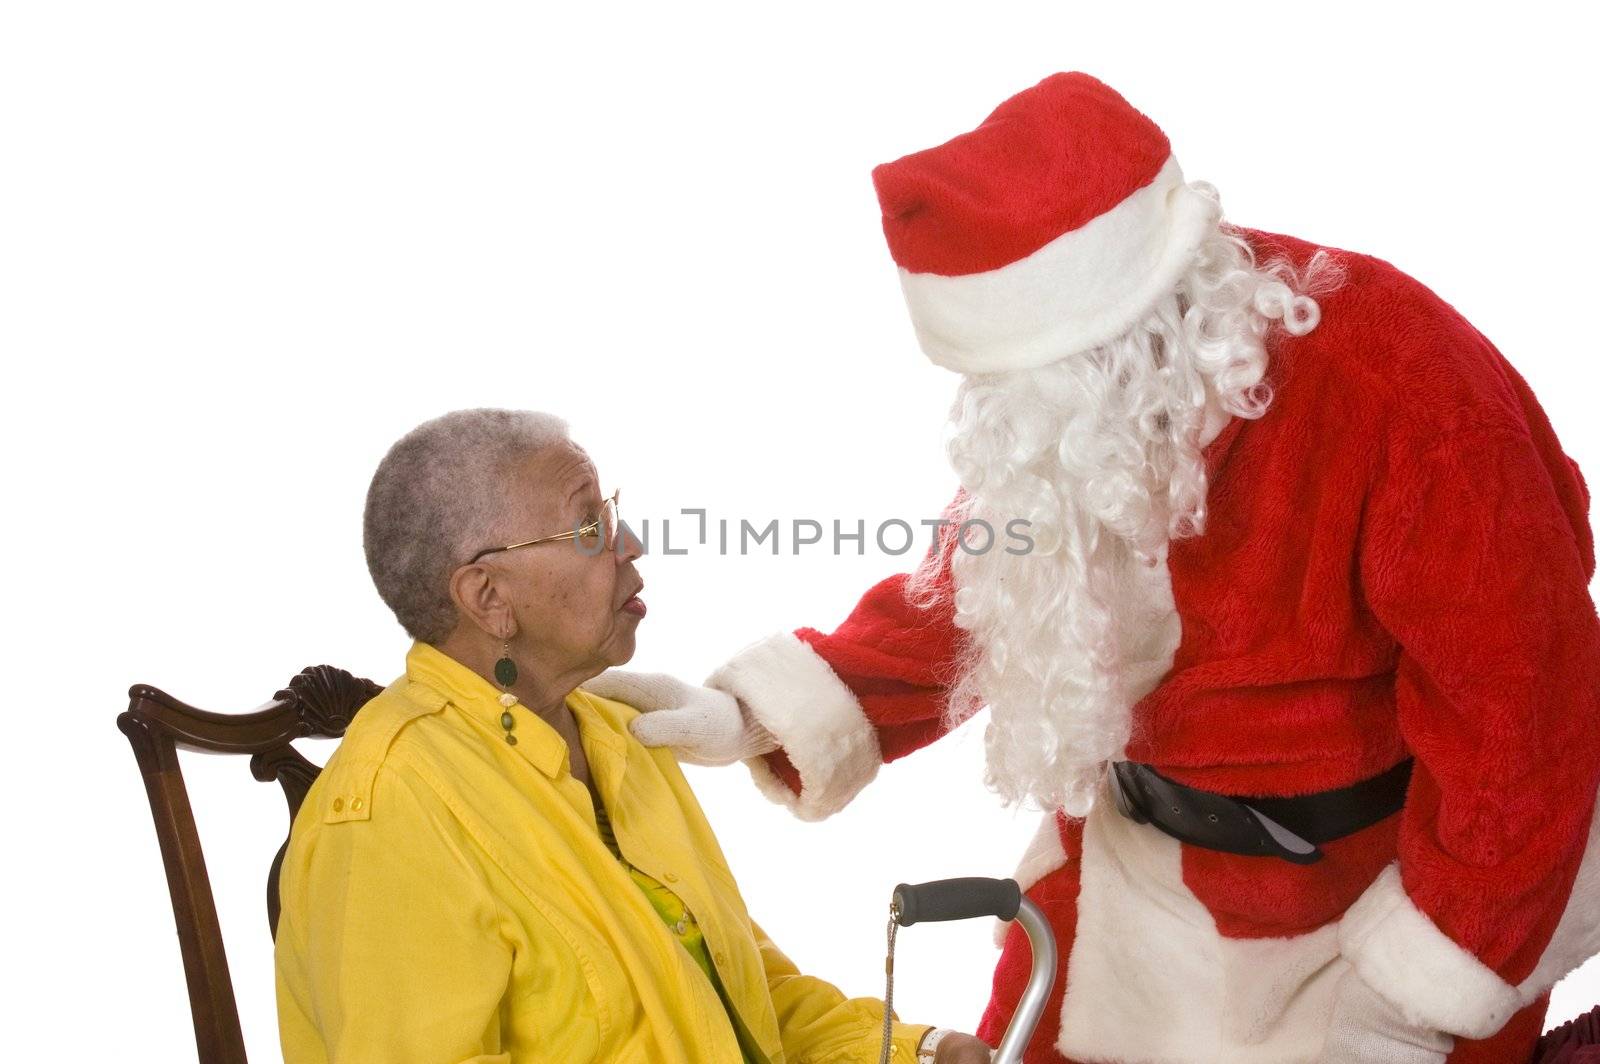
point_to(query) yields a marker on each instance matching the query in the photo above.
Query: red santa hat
(1050, 229)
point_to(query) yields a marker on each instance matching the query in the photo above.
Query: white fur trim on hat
(1400, 953)
(1085, 287)
(814, 717)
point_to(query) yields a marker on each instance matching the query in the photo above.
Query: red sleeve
(899, 659)
(841, 704)
(1476, 556)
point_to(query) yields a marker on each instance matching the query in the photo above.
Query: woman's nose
(629, 545)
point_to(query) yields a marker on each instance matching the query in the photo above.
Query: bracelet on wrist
(929, 1046)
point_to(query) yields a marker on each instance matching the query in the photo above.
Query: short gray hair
(434, 501)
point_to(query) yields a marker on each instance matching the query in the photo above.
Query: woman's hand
(958, 1048)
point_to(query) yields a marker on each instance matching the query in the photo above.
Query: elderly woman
(491, 868)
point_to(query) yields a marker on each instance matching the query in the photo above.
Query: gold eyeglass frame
(588, 529)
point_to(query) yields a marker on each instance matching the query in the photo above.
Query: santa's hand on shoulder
(1368, 1029)
(702, 725)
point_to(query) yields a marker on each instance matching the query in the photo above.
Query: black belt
(1291, 828)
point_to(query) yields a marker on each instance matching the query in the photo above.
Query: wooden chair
(319, 702)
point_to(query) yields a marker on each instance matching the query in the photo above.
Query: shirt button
(338, 805)
(356, 803)
(671, 877)
(721, 958)
(681, 926)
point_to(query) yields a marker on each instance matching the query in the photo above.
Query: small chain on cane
(888, 987)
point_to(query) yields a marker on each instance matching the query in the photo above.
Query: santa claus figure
(1300, 655)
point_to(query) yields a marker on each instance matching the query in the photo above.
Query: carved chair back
(320, 702)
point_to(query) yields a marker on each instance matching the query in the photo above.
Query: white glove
(1367, 1029)
(703, 726)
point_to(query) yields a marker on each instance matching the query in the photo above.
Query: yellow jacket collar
(537, 741)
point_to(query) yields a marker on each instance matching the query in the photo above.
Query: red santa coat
(1395, 563)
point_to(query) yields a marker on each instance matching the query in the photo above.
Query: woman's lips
(635, 606)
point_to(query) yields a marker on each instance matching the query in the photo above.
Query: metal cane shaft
(1040, 980)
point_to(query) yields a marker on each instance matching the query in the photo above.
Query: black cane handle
(956, 899)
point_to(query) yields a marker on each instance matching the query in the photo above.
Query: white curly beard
(1101, 453)
(1059, 633)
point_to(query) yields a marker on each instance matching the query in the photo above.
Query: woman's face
(576, 607)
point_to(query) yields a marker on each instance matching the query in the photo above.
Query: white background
(245, 247)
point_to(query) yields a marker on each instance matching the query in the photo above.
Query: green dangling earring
(505, 674)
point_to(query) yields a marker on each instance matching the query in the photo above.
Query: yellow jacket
(447, 898)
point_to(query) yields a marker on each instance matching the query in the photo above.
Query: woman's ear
(477, 595)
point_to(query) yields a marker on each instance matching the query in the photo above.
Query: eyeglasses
(593, 536)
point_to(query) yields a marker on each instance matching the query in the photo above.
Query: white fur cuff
(814, 717)
(1403, 955)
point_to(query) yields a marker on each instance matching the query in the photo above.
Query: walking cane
(965, 899)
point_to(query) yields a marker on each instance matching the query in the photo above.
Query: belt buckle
(1200, 818)
(1291, 847)
(1122, 793)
